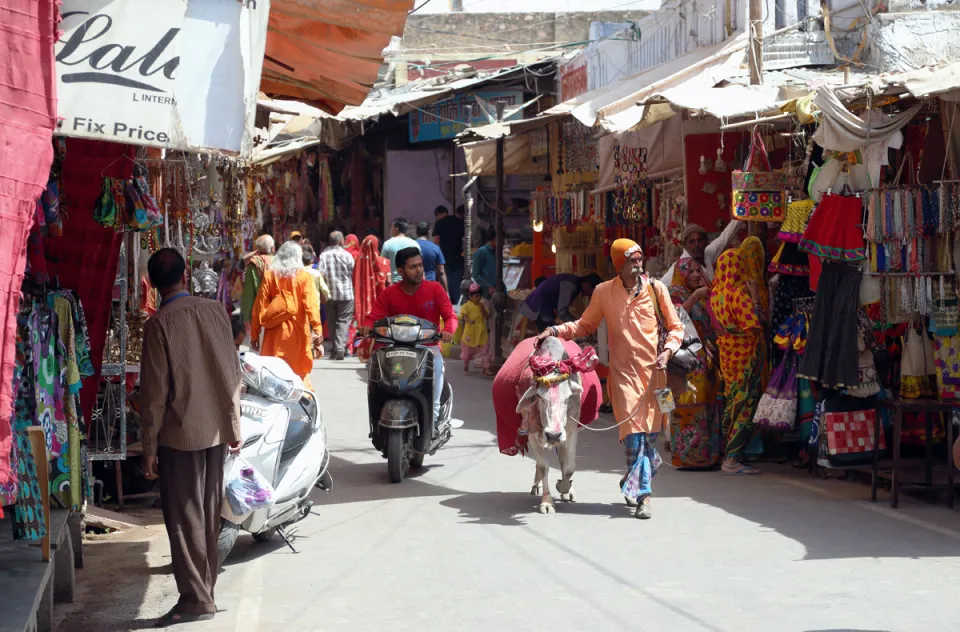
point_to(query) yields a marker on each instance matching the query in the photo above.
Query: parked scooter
(284, 440)
(400, 395)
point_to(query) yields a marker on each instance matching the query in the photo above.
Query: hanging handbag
(945, 314)
(759, 192)
(947, 361)
(777, 407)
(850, 437)
(685, 359)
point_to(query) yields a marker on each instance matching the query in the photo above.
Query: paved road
(460, 547)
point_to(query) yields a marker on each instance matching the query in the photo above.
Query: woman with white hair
(256, 264)
(287, 309)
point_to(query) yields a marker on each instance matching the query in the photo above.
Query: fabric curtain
(842, 130)
(28, 113)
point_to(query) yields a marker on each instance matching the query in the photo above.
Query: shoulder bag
(685, 359)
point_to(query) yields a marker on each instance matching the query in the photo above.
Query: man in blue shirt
(397, 242)
(485, 265)
(434, 264)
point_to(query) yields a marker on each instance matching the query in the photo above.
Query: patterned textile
(352, 245)
(753, 258)
(947, 361)
(695, 433)
(852, 432)
(47, 380)
(643, 463)
(798, 214)
(28, 116)
(481, 354)
(370, 276)
(336, 265)
(738, 336)
(806, 405)
(833, 231)
(28, 515)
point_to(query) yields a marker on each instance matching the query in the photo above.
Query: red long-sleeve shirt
(429, 302)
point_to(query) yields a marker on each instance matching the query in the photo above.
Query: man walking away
(485, 265)
(190, 414)
(397, 242)
(448, 234)
(255, 267)
(433, 259)
(336, 266)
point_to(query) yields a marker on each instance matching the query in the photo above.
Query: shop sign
(448, 118)
(176, 74)
(629, 156)
(574, 79)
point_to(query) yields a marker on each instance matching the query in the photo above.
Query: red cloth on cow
(513, 380)
(28, 113)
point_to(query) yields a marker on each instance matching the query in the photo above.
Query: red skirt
(834, 230)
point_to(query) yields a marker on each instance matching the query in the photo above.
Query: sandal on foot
(743, 470)
(175, 617)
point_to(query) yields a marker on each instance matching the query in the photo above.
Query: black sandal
(175, 617)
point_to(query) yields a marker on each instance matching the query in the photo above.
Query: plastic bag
(246, 489)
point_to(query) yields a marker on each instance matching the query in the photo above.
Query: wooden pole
(755, 48)
(38, 446)
(500, 295)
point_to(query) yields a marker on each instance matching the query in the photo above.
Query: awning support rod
(756, 121)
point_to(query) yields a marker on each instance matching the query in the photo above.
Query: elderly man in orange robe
(637, 365)
(287, 309)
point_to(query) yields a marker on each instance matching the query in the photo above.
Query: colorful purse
(777, 408)
(850, 436)
(759, 192)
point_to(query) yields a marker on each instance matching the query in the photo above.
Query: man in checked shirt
(336, 265)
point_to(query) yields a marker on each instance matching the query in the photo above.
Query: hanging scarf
(370, 276)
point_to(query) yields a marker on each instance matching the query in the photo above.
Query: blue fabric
(437, 381)
(544, 300)
(643, 463)
(485, 268)
(432, 257)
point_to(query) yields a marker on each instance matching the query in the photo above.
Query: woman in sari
(287, 310)
(735, 312)
(352, 246)
(371, 274)
(695, 425)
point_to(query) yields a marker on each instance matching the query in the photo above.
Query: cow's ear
(529, 399)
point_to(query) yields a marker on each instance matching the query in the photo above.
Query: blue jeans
(454, 278)
(437, 382)
(643, 463)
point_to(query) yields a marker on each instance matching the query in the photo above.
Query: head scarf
(352, 245)
(753, 257)
(369, 277)
(731, 308)
(690, 229)
(681, 288)
(619, 250)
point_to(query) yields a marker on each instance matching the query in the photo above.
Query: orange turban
(620, 250)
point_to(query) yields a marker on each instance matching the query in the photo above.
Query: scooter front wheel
(228, 537)
(416, 461)
(396, 456)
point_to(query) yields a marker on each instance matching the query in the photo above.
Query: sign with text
(448, 118)
(629, 156)
(165, 73)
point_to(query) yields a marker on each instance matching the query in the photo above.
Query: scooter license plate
(401, 353)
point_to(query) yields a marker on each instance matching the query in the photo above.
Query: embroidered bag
(947, 361)
(777, 407)
(852, 433)
(759, 192)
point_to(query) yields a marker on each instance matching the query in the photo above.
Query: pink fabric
(28, 110)
(585, 361)
(515, 377)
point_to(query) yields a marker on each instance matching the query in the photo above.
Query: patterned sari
(695, 431)
(738, 329)
(753, 257)
(371, 275)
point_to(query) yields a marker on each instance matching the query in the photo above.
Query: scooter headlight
(427, 334)
(274, 387)
(405, 333)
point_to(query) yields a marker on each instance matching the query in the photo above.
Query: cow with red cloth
(542, 396)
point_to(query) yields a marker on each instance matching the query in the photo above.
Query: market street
(460, 547)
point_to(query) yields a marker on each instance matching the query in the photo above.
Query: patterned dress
(28, 516)
(738, 329)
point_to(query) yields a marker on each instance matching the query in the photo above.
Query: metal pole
(500, 295)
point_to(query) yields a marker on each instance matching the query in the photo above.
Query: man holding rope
(637, 365)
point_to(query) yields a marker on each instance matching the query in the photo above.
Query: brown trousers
(191, 493)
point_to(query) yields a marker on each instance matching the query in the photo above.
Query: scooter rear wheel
(396, 456)
(265, 536)
(416, 461)
(228, 537)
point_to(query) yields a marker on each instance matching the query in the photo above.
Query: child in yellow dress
(472, 331)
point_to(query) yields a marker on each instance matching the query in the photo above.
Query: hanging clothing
(632, 332)
(695, 424)
(831, 353)
(834, 232)
(738, 327)
(291, 339)
(371, 275)
(28, 514)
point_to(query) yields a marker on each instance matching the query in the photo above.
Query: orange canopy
(327, 52)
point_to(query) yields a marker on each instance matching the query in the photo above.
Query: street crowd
(190, 384)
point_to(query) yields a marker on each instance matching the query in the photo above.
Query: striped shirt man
(336, 265)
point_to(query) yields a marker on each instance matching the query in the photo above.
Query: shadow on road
(512, 509)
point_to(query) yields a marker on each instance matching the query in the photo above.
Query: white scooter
(284, 440)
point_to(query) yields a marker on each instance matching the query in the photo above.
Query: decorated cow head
(553, 397)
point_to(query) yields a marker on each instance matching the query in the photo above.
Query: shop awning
(509, 128)
(481, 158)
(328, 52)
(942, 81)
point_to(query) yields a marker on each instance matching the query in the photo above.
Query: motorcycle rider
(415, 296)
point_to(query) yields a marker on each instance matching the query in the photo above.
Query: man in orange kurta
(636, 368)
(287, 309)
